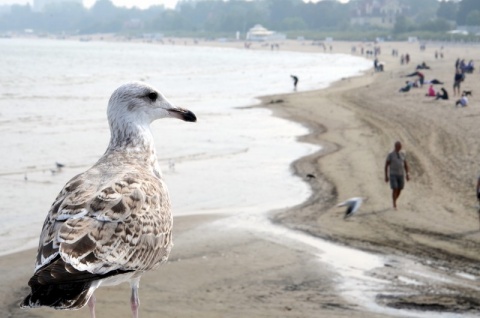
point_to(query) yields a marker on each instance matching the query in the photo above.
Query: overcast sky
(128, 3)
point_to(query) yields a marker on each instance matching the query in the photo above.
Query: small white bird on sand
(352, 204)
(111, 223)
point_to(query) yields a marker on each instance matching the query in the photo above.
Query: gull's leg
(134, 301)
(91, 305)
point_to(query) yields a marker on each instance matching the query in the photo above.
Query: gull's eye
(152, 96)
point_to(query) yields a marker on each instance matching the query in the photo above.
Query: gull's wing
(349, 202)
(353, 205)
(123, 225)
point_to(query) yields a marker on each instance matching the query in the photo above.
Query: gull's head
(141, 103)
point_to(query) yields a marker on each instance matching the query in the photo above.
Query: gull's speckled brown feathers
(106, 225)
(112, 222)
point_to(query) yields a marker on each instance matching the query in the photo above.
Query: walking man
(396, 170)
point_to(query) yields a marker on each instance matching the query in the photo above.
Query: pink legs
(134, 301)
(91, 306)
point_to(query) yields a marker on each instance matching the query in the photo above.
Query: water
(53, 97)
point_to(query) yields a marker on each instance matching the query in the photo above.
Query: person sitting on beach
(407, 87)
(420, 75)
(469, 68)
(381, 67)
(378, 66)
(463, 102)
(423, 66)
(431, 92)
(443, 94)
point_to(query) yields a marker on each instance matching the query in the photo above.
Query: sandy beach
(226, 266)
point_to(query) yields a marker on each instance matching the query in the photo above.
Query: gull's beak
(183, 114)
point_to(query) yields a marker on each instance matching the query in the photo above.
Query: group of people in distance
(460, 70)
(420, 80)
(464, 67)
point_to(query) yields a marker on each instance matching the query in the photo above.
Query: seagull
(59, 165)
(111, 223)
(352, 204)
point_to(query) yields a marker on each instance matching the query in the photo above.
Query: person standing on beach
(457, 81)
(295, 81)
(396, 170)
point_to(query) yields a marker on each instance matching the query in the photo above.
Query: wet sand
(223, 267)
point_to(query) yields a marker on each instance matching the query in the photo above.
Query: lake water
(53, 98)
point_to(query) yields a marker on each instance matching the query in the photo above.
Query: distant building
(382, 13)
(39, 5)
(259, 33)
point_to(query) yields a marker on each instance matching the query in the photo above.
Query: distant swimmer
(295, 82)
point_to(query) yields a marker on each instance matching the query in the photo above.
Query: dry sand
(218, 269)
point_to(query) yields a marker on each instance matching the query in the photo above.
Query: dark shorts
(397, 182)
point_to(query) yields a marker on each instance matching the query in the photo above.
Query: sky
(126, 3)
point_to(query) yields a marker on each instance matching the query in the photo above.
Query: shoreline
(342, 128)
(394, 235)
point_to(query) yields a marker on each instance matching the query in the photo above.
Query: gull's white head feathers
(131, 109)
(139, 103)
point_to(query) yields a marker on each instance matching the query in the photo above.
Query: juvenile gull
(352, 204)
(111, 223)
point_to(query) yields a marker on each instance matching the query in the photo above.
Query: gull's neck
(130, 137)
(132, 143)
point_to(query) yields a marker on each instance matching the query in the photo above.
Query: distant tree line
(216, 17)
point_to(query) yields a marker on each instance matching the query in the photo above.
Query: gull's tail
(58, 296)
(60, 286)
